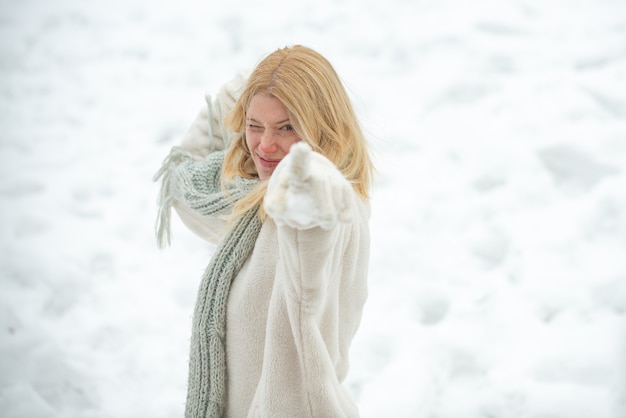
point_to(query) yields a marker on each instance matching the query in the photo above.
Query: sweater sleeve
(319, 291)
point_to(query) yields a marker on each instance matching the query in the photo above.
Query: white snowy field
(498, 267)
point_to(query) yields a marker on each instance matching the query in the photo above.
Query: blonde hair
(319, 110)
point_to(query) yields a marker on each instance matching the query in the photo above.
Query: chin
(264, 174)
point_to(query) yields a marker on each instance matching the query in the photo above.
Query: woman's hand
(207, 133)
(307, 190)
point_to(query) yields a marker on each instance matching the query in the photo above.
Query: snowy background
(498, 268)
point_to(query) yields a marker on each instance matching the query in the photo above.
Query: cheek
(252, 140)
(290, 144)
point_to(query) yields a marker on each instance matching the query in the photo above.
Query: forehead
(267, 108)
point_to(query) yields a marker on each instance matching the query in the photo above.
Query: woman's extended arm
(319, 289)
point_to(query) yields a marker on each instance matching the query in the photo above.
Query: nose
(268, 144)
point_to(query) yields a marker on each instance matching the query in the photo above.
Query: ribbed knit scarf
(207, 358)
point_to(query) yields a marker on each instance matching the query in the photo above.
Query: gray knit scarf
(199, 185)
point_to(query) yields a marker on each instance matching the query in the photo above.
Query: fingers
(308, 191)
(300, 164)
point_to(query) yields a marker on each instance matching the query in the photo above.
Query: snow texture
(498, 268)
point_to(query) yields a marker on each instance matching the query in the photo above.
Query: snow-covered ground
(498, 268)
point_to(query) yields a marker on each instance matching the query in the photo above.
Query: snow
(307, 190)
(497, 273)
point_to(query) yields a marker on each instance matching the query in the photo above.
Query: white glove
(307, 190)
(207, 133)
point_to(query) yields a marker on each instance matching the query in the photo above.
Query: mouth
(267, 162)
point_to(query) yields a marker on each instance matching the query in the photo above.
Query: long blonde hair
(319, 110)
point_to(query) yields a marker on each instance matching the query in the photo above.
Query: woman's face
(269, 133)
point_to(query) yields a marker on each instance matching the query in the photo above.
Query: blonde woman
(277, 173)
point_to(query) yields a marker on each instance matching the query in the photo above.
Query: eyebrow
(277, 123)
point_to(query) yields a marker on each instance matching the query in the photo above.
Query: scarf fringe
(209, 103)
(167, 195)
(177, 155)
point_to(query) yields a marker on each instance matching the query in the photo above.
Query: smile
(268, 163)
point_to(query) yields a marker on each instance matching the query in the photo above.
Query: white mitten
(207, 133)
(307, 190)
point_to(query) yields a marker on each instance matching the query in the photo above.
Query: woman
(283, 187)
